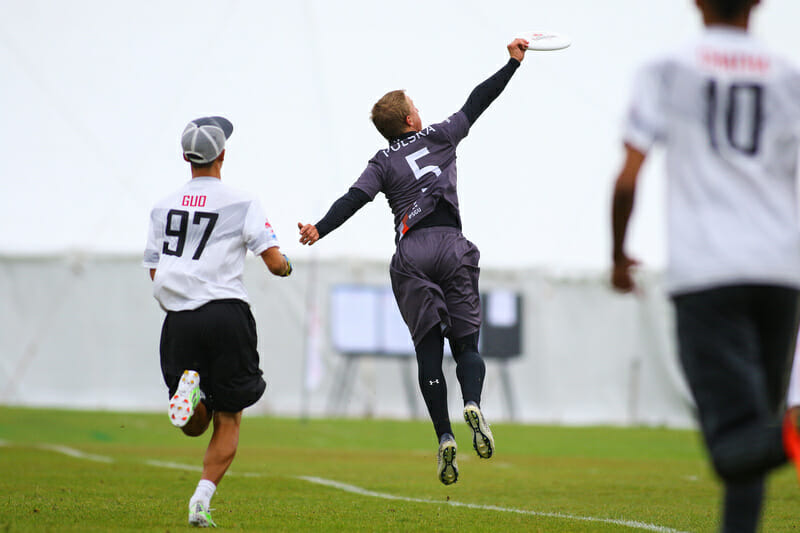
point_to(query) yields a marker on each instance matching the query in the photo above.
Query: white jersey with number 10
(728, 113)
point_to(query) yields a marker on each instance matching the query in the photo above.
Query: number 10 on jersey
(734, 116)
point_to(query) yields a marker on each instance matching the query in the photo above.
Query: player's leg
(459, 283)
(430, 351)
(431, 380)
(199, 421)
(222, 446)
(719, 351)
(471, 370)
(777, 319)
(233, 382)
(421, 303)
(218, 458)
(741, 505)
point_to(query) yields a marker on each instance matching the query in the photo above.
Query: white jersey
(198, 238)
(728, 113)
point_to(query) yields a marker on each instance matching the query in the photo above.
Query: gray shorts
(434, 274)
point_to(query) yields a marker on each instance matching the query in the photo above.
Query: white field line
(363, 492)
(72, 452)
(634, 524)
(174, 466)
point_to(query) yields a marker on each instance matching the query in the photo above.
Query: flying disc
(546, 40)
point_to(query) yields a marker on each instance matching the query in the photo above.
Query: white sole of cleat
(448, 469)
(181, 407)
(482, 438)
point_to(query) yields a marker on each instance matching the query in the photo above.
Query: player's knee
(734, 468)
(464, 345)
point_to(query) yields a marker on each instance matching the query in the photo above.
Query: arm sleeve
(484, 94)
(645, 122)
(257, 231)
(152, 253)
(342, 209)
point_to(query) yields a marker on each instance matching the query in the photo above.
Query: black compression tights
(470, 371)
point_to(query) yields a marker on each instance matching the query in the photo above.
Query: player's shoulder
(168, 200)
(457, 120)
(222, 192)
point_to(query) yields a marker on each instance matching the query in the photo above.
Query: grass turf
(563, 479)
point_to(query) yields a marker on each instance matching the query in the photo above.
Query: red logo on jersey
(194, 201)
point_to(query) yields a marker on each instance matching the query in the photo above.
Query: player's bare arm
(308, 233)
(624, 193)
(517, 48)
(152, 273)
(276, 262)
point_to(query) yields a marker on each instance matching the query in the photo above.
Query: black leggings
(470, 371)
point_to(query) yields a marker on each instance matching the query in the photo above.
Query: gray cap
(204, 138)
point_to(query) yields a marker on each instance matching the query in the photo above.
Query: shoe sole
(482, 439)
(449, 472)
(201, 521)
(181, 407)
(201, 518)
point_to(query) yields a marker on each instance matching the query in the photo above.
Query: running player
(727, 111)
(434, 270)
(198, 238)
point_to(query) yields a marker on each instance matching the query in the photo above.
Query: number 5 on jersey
(419, 172)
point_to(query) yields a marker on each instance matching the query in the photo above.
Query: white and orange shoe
(185, 400)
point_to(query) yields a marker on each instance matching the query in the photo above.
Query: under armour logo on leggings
(433, 381)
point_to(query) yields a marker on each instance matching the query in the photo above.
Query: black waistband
(442, 215)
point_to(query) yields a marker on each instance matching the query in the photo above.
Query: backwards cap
(203, 139)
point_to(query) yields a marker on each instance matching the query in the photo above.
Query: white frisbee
(546, 40)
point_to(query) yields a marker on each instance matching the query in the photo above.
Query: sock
(203, 493)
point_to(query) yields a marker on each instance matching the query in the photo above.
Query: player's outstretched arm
(484, 94)
(276, 262)
(342, 209)
(624, 193)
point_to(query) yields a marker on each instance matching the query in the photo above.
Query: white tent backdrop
(83, 332)
(96, 94)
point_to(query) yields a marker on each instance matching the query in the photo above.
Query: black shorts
(218, 340)
(434, 274)
(736, 345)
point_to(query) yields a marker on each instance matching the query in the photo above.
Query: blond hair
(390, 112)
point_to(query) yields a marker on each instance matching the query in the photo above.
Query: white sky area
(95, 95)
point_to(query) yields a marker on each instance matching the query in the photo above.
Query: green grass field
(90, 471)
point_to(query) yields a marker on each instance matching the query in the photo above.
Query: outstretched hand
(308, 233)
(621, 275)
(517, 49)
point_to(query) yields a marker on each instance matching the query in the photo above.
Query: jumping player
(198, 238)
(728, 112)
(434, 270)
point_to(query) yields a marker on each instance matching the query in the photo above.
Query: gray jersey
(417, 171)
(728, 112)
